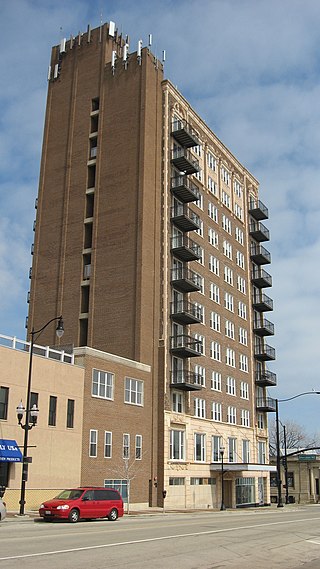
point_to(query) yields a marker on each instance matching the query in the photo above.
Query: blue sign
(9, 451)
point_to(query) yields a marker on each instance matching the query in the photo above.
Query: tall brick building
(148, 239)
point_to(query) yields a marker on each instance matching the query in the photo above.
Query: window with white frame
(242, 310)
(126, 445)
(199, 408)
(240, 260)
(245, 418)
(228, 275)
(237, 188)
(228, 301)
(238, 211)
(260, 420)
(229, 329)
(232, 415)
(199, 194)
(213, 212)
(246, 451)
(227, 249)
(231, 385)
(243, 363)
(225, 176)
(199, 231)
(241, 284)
(138, 447)
(225, 198)
(215, 351)
(232, 449)
(93, 443)
(239, 235)
(214, 265)
(212, 186)
(214, 293)
(200, 281)
(133, 391)
(200, 347)
(177, 402)
(216, 381)
(213, 237)
(226, 224)
(199, 311)
(199, 176)
(211, 161)
(244, 390)
(243, 336)
(197, 150)
(262, 456)
(215, 321)
(107, 444)
(199, 447)
(201, 255)
(216, 412)
(230, 357)
(102, 384)
(177, 444)
(200, 372)
(216, 442)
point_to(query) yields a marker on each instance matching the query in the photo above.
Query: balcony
(260, 255)
(185, 248)
(263, 327)
(185, 346)
(266, 404)
(258, 231)
(184, 218)
(185, 380)
(184, 134)
(265, 378)
(261, 278)
(262, 302)
(184, 189)
(258, 210)
(185, 280)
(185, 312)
(264, 353)
(183, 160)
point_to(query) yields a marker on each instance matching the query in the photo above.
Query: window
(215, 351)
(216, 381)
(231, 385)
(52, 411)
(228, 275)
(120, 485)
(216, 412)
(138, 447)
(226, 224)
(4, 397)
(216, 445)
(230, 357)
(225, 176)
(212, 186)
(214, 293)
(199, 408)
(197, 150)
(177, 402)
(215, 321)
(199, 194)
(239, 235)
(200, 252)
(243, 363)
(199, 311)
(200, 373)
(243, 336)
(200, 347)
(245, 491)
(197, 481)
(93, 443)
(70, 414)
(240, 259)
(244, 390)
(214, 265)
(177, 445)
(262, 452)
(260, 419)
(34, 398)
(225, 198)
(133, 391)
(199, 447)
(241, 284)
(238, 211)
(242, 310)
(232, 449)
(198, 175)
(245, 418)
(237, 188)
(199, 231)
(176, 481)
(213, 212)
(227, 249)
(107, 444)
(229, 329)
(211, 161)
(200, 281)
(102, 384)
(126, 445)
(213, 237)
(245, 451)
(228, 301)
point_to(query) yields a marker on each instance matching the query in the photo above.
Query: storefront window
(245, 491)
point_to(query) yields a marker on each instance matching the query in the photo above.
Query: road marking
(151, 539)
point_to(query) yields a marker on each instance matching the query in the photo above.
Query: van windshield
(69, 494)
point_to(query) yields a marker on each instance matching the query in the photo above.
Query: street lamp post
(31, 415)
(285, 463)
(280, 503)
(222, 507)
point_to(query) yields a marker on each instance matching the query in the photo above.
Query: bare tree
(296, 437)
(128, 470)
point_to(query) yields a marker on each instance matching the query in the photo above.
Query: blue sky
(251, 69)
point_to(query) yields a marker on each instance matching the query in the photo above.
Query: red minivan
(86, 503)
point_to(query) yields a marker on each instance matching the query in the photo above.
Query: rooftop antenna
(125, 55)
(112, 29)
(100, 30)
(150, 40)
(139, 50)
(113, 61)
(163, 55)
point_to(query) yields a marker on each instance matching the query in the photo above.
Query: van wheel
(74, 516)
(113, 516)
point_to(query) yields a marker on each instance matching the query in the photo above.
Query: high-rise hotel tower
(149, 240)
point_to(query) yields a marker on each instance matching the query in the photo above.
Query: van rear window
(106, 495)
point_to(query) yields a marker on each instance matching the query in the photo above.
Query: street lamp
(222, 507)
(31, 415)
(280, 503)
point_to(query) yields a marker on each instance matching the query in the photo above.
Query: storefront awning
(9, 451)
(237, 467)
